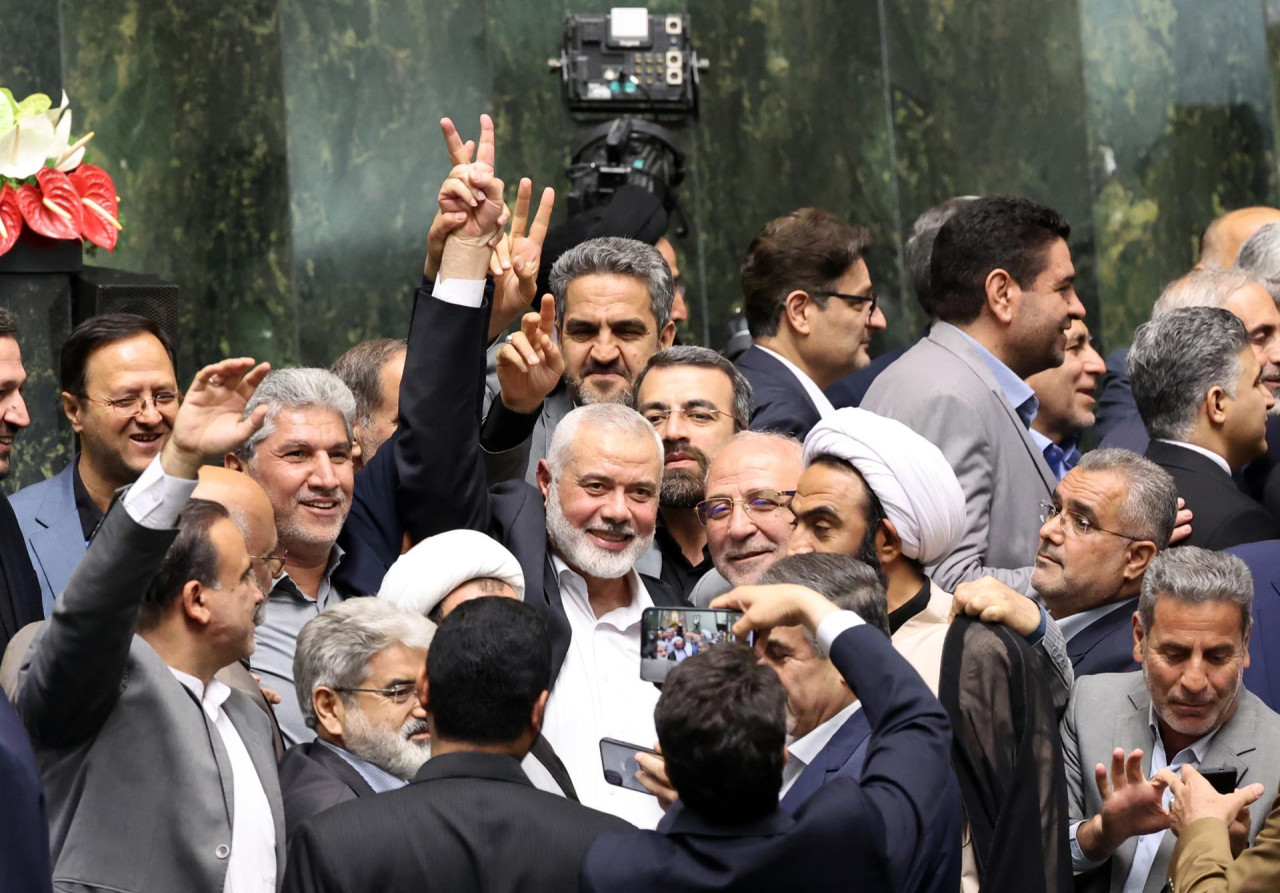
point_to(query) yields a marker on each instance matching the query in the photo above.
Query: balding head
(1220, 244)
(250, 510)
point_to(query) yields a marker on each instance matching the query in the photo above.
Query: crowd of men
(1009, 605)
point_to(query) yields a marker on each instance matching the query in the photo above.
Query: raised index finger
(542, 220)
(547, 312)
(458, 152)
(521, 215)
(484, 151)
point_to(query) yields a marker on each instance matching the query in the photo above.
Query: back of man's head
(489, 663)
(807, 250)
(999, 232)
(1222, 238)
(722, 725)
(849, 584)
(918, 249)
(191, 556)
(1260, 258)
(1176, 358)
(1202, 288)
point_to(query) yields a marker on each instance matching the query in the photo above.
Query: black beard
(681, 489)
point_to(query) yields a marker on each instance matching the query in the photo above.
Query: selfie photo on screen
(670, 636)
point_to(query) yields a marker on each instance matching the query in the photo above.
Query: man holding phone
(1186, 708)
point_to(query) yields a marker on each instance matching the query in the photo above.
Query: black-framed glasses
(699, 416)
(274, 563)
(136, 404)
(1073, 522)
(719, 508)
(872, 298)
(396, 694)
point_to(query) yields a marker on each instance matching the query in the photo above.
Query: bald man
(1220, 244)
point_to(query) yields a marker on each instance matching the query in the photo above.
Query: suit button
(223, 851)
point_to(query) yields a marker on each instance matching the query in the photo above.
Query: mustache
(617, 367)
(621, 528)
(683, 446)
(413, 727)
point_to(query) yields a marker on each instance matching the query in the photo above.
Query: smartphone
(668, 636)
(619, 761)
(1223, 779)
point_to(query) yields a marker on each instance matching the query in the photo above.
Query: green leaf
(35, 104)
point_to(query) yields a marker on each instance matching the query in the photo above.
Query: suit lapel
(1087, 639)
(829, 761)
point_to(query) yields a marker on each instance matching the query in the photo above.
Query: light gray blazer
(942, 390)
(1111, 710)
(51, 530)
(137, 780)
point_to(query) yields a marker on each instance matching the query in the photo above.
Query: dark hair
(705, 357)
(807, 250)
(99, 331)
(191, 556)
(918, 249)
(722, 724)
(360, 369)
(488, 663)
(874, 515)
(8, 323)
(1000, 232)
(847, 583)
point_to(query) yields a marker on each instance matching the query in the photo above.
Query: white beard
(584, 555)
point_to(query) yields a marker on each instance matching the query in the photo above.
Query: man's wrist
(179, 463)
(1094, 840)
(465, 257)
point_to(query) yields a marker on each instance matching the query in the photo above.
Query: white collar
(820, 401)
(806, 748)
(211, 699)
(1221, 462)
(574, 585)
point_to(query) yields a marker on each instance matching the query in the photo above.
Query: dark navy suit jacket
(1106, 645)
(842, 757)
(1262, 676)
(849, 835)
(779, 401)
(24, 826)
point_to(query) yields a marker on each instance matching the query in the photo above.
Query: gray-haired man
(1186, 707)
(613, 312)
(302, 458)
(356, 673)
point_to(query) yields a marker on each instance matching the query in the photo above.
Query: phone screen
(670, 636)
(619, 761)
(1223, 780)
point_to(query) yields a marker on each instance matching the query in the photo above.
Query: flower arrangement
(42, 180)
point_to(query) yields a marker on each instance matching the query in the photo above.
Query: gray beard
(584, 556)
(388, 749)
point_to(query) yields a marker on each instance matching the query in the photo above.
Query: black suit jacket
(1106, 645)
(443, 467)
(467, 822)
(313, 779)
(849, 835)
(1262, 676)
(1223, 516)
(24, 825)
(779, 401)
(20, 602)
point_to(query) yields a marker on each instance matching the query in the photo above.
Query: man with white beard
(356, 670)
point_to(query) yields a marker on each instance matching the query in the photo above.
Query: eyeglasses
(396, 694)
(700, 416)
(274, 563)
(855, 299)
(1073, 522)
(761, 501)
(137, 404)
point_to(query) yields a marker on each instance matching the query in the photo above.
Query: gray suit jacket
(941, 389)
(51, 530)
(137, 778)
(1111, 710)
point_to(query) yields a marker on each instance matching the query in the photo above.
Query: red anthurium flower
(10, 218)
(53, 208)
(98, 198)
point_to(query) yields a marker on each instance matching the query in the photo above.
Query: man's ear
(797, 308)
(539, 712)
(1137, 638)
(195, 602)
(232, 461)
(71, 409)
(1215, 403)
(888, 543)
(330, 711)
(667, 336)
(544, 478)
(1001, 299)
(1140, 554)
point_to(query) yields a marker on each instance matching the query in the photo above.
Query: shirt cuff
(833, 625)
(1035, 637)
(156, 499)
(1080, 863)
(463, 292)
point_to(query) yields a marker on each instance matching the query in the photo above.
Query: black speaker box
(96, 290)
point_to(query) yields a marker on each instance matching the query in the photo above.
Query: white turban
(909, 475)
(422, 577)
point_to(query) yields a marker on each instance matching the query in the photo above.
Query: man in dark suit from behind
(1199, 389)
(722, 725)
(470, 820)
(811, 312)
(355, 670)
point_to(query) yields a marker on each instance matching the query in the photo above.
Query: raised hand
(459, 154)
(530, 363)
(471, 189)
(1194, 798)
(517, 258)
(211, 422)
(1131, 806)
(779, 604)
(993, 602)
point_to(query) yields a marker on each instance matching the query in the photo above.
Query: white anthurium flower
(23, 149)
(62, 156)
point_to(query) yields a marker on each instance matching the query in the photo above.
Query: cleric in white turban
(447, 569)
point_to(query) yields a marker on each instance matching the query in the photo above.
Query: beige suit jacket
(1202, 860)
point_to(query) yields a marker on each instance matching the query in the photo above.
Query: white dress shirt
(803, 750)
(599, 694)
(155, 501)
(820, 401)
